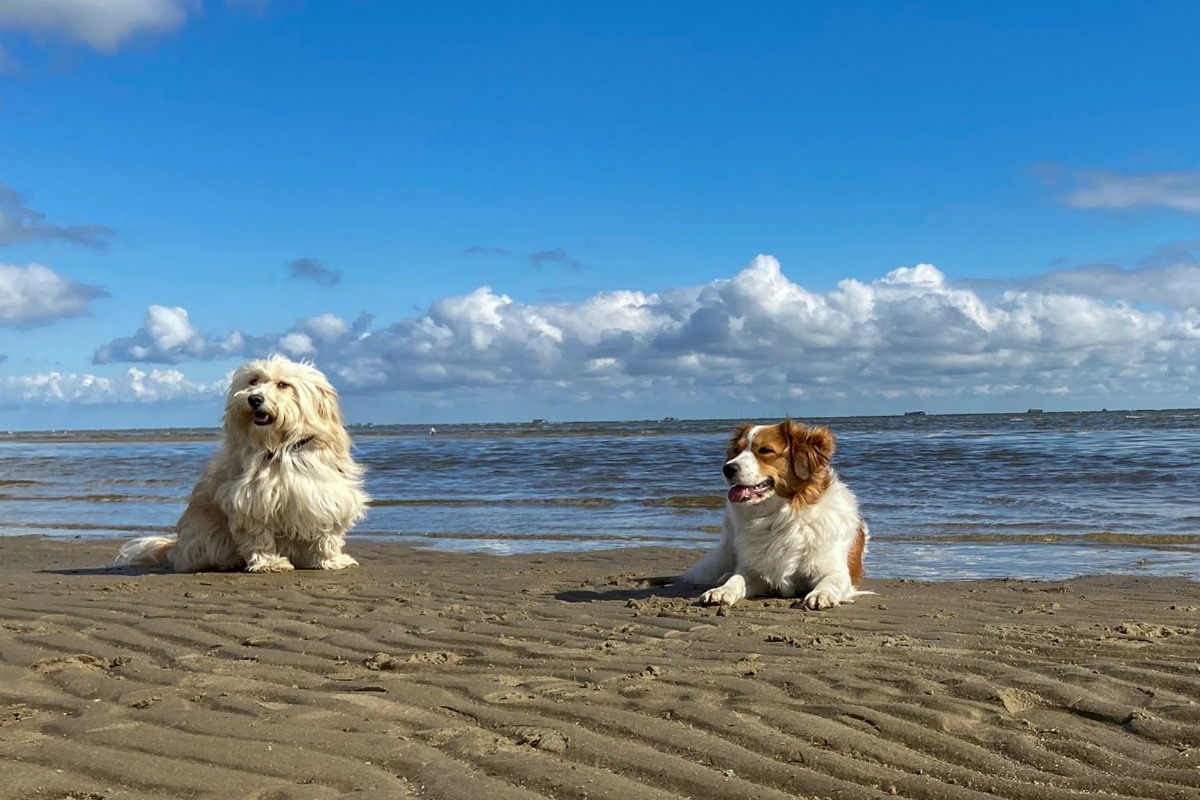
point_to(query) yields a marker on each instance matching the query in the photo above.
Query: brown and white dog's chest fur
(790, 525)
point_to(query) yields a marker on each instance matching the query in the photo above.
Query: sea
(1023, 495)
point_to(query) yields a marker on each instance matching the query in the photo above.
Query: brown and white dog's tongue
(740, 494)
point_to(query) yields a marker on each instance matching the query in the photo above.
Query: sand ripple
(448, 676)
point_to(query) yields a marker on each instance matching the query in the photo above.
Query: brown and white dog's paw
(820, 599)
(720, 596)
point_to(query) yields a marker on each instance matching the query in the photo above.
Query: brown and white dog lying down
(282, 490)
(790, 527)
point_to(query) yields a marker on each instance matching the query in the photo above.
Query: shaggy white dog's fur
(281, 492)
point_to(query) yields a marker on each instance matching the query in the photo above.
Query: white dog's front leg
(324, 553)
(260, 553)
(737, 587)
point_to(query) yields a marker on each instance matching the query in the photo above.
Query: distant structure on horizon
(914, 413)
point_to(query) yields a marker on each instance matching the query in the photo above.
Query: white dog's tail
(147, 551)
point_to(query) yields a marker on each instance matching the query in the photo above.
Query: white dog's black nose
(255, 400)
(730, 469)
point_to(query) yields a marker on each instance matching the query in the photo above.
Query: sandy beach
(438, 675)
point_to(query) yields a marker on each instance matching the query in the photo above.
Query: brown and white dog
(790, 525)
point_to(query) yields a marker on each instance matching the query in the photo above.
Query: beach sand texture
(438, 675)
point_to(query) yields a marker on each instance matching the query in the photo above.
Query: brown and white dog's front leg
(258, 549)
(830, 591)
(737, 586)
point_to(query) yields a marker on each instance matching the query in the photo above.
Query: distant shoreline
(533, 427)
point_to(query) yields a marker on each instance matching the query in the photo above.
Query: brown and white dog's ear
(812, 449)
(738, 440)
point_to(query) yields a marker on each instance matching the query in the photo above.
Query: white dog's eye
(283, 385)
(253, 381)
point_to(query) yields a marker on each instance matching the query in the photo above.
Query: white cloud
(1176, 190)
(1172, 285)
(296, 344)
(20, 223)
(104, 25)
(168, 337)
(135, 386)
(36, 295)
(756, 337)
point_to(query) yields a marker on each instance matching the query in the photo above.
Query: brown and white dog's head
(787, 460)
(275, 403)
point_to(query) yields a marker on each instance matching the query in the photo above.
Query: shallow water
(961, 496)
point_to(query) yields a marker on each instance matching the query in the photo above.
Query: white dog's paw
(261, 563)
(820, 599)
(340, 561)
(720, 596)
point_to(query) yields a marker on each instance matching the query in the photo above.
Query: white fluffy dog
(281, 492)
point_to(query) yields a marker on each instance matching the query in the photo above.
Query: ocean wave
(89, 498)
(1157, 540)
(680, 502)
(83, 526)
(590, 537)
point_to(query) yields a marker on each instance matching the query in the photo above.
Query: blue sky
(483, 211)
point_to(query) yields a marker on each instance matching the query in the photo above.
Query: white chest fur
(298, 494)
(786, 545)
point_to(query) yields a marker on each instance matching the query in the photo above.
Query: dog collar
(272, 453)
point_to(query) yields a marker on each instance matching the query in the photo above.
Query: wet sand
(437, 675)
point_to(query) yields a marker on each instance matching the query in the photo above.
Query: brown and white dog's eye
(765, 451)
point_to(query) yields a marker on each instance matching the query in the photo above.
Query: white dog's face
(275, 401)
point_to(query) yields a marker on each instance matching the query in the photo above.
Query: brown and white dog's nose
(729, 470)
(255, 400)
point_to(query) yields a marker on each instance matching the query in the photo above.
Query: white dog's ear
(327, 407)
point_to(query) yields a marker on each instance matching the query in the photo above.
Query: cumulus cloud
(310, 269)
(1099, 189)
(1171, 286)
(168, 337)
(104, 25)
(20, 223)
(36, 295)
(135, 386)
(758, 337)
